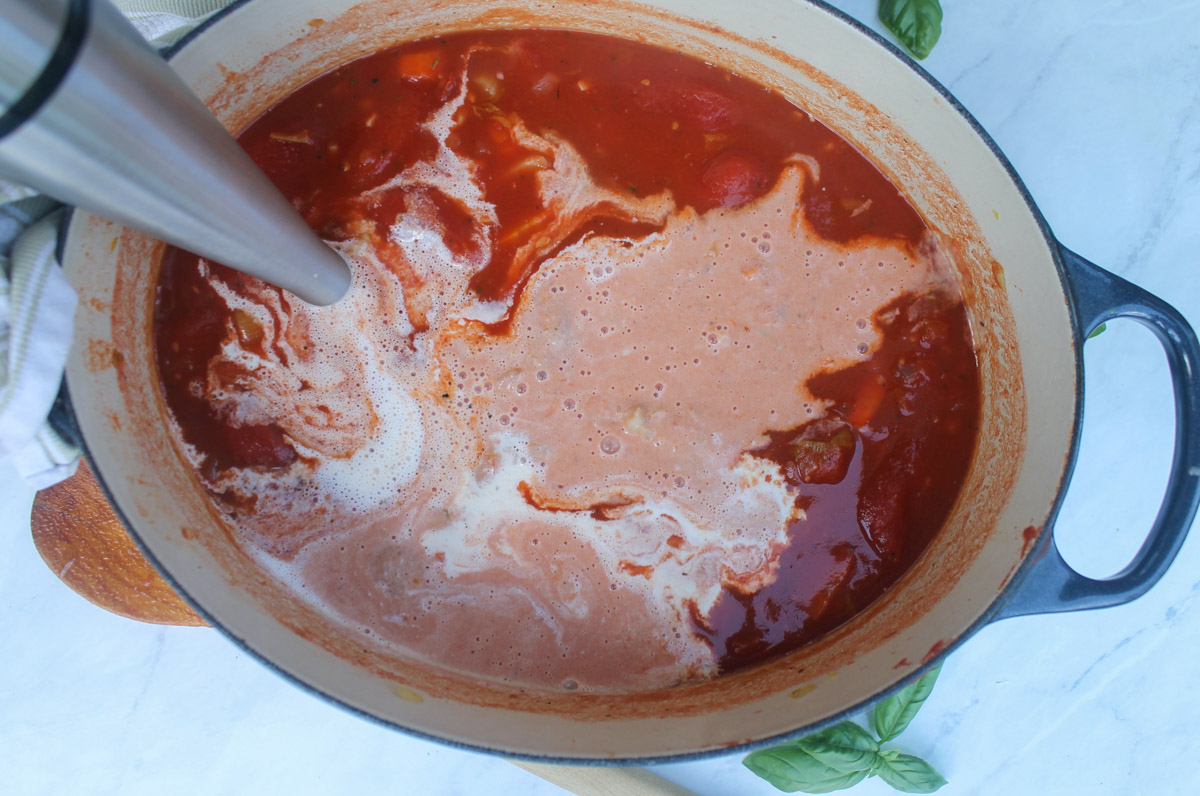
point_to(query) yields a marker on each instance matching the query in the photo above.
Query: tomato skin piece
(693, 103)
(733, 179)
(838, 575)
(257, 446)
(880, 515)
(882, 499)
(277, 159)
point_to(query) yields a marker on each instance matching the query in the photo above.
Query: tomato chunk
(733, 179)
(257, 446)
(821, 455)
(691, 102)
(881, 502)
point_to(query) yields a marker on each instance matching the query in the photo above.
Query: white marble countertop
(1097, 105)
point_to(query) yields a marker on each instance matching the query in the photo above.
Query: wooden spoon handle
(605, 780)
(84, 542)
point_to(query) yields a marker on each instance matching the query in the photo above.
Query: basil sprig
(892, 715)
(908, 773)
(916, 23)
(845, 754)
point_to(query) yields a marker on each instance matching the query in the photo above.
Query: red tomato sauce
(877, 476)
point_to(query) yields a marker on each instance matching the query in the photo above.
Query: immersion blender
(91, 115)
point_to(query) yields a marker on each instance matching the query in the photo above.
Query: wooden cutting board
(84, 542)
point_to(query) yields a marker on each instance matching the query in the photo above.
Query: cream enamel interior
(265, 48)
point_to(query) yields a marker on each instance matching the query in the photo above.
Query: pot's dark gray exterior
(1048, 584)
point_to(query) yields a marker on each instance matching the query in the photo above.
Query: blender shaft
(96, 118)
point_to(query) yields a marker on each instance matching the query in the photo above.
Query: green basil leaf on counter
(916, 23)
(908, 773)
(789, 768)
(893, 714)
(845, 754)
(844, 747)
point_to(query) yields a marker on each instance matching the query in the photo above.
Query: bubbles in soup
(644, 375)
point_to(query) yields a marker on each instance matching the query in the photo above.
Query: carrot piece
(419, 65)
(870, 395)
(525, 228)
(497, 133)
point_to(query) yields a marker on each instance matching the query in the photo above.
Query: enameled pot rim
(993, 612)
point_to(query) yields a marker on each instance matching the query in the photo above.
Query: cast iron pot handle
(1050, 585)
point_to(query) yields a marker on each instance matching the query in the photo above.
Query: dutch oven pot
(1031, 303)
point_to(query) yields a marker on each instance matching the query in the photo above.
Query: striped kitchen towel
(37, 305)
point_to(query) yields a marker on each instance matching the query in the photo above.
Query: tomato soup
(644, 376)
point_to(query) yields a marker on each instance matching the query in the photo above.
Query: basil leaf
(916, 23)
(908, 773)
(893, 714)
(844, 747)
(1098, 330)
(789, 768)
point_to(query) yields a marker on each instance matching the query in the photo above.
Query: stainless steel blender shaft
(93, 116)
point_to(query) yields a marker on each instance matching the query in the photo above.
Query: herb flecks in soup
(644, 375)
